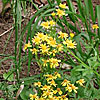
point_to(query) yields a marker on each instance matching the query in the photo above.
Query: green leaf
(98, 16)
(1, 99)
(91, 10)
(9, 76)
(72, 9)
(58, 1)
(11, 88)
(25, 93)
(5, 1)
(86, 8)
(70, 5)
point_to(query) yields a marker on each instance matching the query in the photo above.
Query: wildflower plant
(45, 46)
(76, 40)
(52, 89)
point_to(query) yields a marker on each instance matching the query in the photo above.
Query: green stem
(16, 39)
(50, 3)
(91, 50)
(37, 60)
(78, 58)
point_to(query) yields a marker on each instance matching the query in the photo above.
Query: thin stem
(36, 57)
(91, 50)
(78, 58)
(16, 40)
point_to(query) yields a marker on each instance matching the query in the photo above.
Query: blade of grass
(34, 5)
(98, 16)
(49, 2)
(16, 39)
(70, 5)
(91, 10)
(87, 11)
(58, 1)
(28, 26)
(71, 8)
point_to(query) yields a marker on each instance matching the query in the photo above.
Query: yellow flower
(45, 24)
(44, 48)
(45, 87)
(33, 97)
(41, 98)
(73, 87)
(27, 46)
(53, 14)
(56, 98)
(71, 35)
(65, 82)
(81, 82)
(58, 91)
(53, 52)
(62, 35)
(44, 62)
(95, 26)
(45, 38)
(59, 47)
(68, 88)
(71, 44)
(49, 39)
(37, 84)
(66, 41)
(62, 6)
(52, 83)
(54, 62)
(47, 94)
(60, 12)
(52, 43)
(56, 74)
(52, 23)
(63, 97)
(40, 35)
(36, 40)
(50, 77)
(34, 51)
(51, 98)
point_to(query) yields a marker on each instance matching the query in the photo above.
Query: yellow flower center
(50, 76)
(53, 42)
(34, 96)
(36, 39)
(43, 47)
(58, 89)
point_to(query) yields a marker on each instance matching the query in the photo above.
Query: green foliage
(10, 75)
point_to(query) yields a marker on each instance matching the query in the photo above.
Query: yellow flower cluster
(45, 44)
(53, 91)
(49, 45)
(48, 24)
(59, 11)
